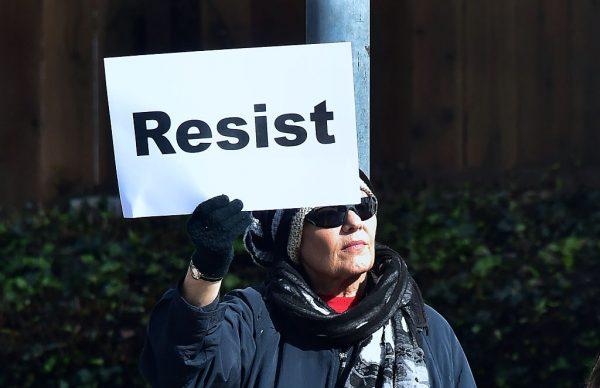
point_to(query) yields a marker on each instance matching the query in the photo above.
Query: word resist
(229, 127)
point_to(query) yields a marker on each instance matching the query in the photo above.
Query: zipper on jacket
(342, 356)
(347, 359)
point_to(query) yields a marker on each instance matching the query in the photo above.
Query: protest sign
(273, 126)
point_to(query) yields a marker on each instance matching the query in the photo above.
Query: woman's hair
(594, 379)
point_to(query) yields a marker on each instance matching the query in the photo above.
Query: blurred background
(485, 130)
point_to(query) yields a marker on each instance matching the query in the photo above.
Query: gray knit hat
(276, 234)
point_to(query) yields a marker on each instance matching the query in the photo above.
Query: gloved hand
(212, 227)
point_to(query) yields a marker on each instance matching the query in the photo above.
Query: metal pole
(329, 21)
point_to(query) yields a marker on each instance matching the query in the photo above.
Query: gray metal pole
(329, 21)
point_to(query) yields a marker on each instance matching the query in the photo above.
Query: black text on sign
(231, 127)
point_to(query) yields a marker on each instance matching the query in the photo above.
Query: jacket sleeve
(452, 367)
(189, 346)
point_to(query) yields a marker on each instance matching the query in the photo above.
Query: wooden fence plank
(278, 22)
(157, 33)
(105, 179)
(530, 106)
(66, 99)
(478, 72)
(392, 37)
(226, 24)
(436, 99)
(506, 104)
(547, 143)
(19, 109)
(579, 56)
(584, 138)
(490, 88)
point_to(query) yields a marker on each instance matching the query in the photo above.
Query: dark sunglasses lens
(333, 216)
(367, 208)
(328, 217)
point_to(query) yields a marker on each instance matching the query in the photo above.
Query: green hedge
(516, 272)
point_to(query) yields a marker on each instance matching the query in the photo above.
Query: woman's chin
(360, 263)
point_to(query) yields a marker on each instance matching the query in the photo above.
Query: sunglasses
(334, 216)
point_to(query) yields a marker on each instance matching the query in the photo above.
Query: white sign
(272, 126)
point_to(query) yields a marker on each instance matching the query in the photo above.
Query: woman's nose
(352, 221)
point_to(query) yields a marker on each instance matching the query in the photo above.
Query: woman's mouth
(354, 246)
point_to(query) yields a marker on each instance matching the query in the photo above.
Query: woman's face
(342, 252)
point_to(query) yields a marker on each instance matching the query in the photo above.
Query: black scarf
(392, 288)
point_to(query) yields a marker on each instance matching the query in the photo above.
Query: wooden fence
(458, 86)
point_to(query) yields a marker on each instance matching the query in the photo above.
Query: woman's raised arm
(212, 227)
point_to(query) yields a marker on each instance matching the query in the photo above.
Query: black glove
(213, 227)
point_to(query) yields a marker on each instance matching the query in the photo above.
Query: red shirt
(339, 304)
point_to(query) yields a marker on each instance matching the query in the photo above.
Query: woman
(337, 309)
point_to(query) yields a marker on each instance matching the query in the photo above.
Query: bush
(514, 271)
